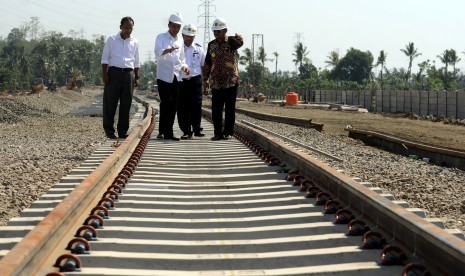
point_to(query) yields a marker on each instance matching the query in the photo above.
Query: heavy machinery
(75, 82)
(38, 85)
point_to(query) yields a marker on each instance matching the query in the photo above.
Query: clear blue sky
(323, 26)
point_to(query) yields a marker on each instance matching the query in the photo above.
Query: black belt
(191, 78)
(122, 69)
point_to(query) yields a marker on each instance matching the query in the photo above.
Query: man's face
(188, 40)
(174, 28)
(126, 29)
(220, 34)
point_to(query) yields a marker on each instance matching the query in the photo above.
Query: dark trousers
(120, 89)
(168, 104)
(190, 105)
(224, 98)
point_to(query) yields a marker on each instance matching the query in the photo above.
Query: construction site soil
(406, 126)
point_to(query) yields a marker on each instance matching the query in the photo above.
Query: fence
(437, 103)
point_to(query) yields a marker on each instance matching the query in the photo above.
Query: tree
(454, 59)
(247, 58)
(354, 66)
(411, 52)
(445, 58)
(381, 61)
(333, 59)
(300, 54)
(275, 54)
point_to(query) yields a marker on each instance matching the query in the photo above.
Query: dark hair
(127, 19)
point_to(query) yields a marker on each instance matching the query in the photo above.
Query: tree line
(25, 55)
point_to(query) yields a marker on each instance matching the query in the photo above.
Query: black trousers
(224, 98)
(190, 105)
(168, 93)
(119, 89)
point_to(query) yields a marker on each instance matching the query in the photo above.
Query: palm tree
(300, 54)
(333, 59)
(454, 59)
(445, 58)
(412, 53)
(381, 61)
(261, 56)
(275, 54)
(247, 58)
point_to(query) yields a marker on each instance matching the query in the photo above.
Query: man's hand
(105, 78)
(186, 70)
(206, 87)
(239, 37)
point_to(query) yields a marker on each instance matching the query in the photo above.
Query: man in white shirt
(120, 74)
(190, 95)
(169, 52)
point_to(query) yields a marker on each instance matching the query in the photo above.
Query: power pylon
(258, 37)
(206, 4)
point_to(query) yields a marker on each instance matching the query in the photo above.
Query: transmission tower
(258, 37)
(298, 37)
(205, 6)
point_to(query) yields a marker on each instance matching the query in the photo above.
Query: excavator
(75, 82)
(38, 85)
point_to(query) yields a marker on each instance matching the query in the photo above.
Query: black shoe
(186, 137)
(111, 136)
(227, 137)
(160, 136)
(172, 138)
(199, 134)
(124, 136)
(217, 138)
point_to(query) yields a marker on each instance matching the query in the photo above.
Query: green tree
(355, 66)
(381, 62)
(411, 52)
(247, 58)
(333, 59)
(300, 54)
(276, 55)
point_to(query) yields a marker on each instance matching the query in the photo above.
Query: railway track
(198, 207)
(435, 154)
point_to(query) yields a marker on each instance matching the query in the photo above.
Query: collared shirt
(195, 59)
(170, 64)
(122, 53)
(221, 63)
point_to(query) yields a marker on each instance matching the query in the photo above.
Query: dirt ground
(436, 133)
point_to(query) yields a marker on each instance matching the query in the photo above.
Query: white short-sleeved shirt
(122, 53)
(169, 65)
(195, 59)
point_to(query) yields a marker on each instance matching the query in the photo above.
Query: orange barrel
(292, 98)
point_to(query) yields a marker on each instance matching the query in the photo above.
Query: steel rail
(39, 249)
(425, 240)
(291, 140)
(282, 119)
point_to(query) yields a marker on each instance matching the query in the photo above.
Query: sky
(321, 25)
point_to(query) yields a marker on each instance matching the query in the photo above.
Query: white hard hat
(219, 24)
(175, 18)
(189, 30)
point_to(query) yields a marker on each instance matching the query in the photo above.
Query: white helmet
(175, 18)
(219, 24)
(189, 30)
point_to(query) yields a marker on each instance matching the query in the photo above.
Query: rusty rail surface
(37, 252)
(435, 154)
(282, 119)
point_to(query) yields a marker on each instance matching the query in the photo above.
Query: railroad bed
(198, 207)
